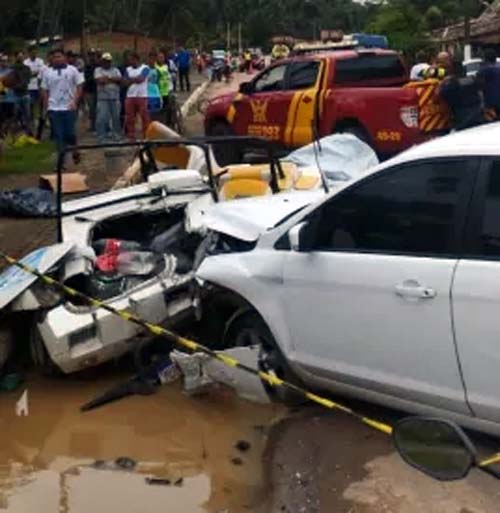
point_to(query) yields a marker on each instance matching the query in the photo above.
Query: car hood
(222, 99)
(247, 219)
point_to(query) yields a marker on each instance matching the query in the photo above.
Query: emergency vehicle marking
(231, 112)
(388, 135)
(433, 113)
(259, 110)
(292, 109)
(269, 131)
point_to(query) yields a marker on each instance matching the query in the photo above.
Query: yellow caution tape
(194, 346)
(490, 461)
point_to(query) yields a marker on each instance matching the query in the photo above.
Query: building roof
(484, 28)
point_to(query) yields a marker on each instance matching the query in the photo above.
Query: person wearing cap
(108, 79)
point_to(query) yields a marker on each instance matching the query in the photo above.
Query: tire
(247, 328)
(40, 355)
(225, 154)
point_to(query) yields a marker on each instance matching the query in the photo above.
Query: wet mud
(183, 451)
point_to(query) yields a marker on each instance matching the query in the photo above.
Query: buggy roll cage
(149, 165)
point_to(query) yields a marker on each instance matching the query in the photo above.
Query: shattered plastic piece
(196, 380)
(158, 481)
(11, 381)
(200, 371)
(125, 463)
(22, 405)
(169, 374)
(242, 445)
(246, 385)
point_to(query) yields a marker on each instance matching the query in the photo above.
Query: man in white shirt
(61, 92)
(136, 102)
(417, 72)
(36, 65)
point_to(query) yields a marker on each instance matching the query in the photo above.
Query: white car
(387, 289)
(472, 66)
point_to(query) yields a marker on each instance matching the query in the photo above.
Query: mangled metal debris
(200, 373)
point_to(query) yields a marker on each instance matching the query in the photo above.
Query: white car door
(476, 298)
(369, 302)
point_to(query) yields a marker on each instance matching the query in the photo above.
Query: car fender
(256, 277)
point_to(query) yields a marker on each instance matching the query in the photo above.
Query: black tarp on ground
(29, 202)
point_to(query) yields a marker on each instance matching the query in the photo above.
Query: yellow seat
(306, 182)
(243, 188)
(177, 156)
(290, 172)
(245, 171)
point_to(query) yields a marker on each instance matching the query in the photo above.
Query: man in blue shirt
(183, 62)
(488, 78)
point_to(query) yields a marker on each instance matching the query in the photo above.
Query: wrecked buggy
(135, 248)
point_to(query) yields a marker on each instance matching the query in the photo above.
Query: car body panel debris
(14, 281)
(200, 372)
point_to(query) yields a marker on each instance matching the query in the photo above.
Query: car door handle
(414, 290)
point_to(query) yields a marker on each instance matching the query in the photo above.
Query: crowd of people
(472, 100)
(113, 96)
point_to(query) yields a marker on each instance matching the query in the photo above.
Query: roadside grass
(30, 159)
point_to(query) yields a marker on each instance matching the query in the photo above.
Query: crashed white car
(167, 225)
(387, 289)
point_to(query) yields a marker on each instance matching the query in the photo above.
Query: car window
(489, 242)
(303, 75)
(368, 67)
(271, 80)
(411, 209)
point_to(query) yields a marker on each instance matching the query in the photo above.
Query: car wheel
(249, 329)
(40, 355)
(225, 154)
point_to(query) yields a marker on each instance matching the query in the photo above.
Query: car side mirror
(437, 447)
(299, 237)
(246, 88)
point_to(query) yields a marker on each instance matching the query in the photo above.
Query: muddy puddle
(58, 460)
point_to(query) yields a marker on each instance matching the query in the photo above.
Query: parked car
(472, 66)
(387, 289)
(364, 92)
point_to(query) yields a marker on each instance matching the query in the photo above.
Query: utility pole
(467, 45)
(228, 38)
